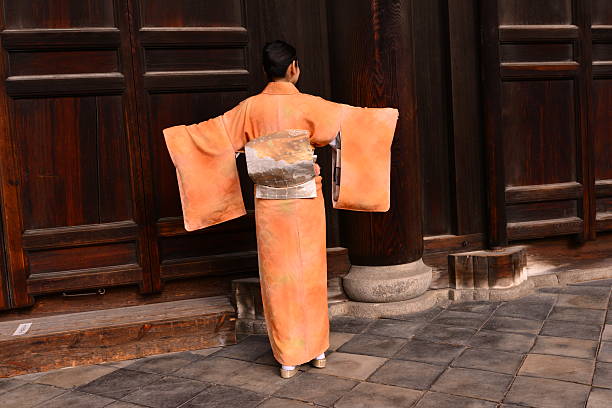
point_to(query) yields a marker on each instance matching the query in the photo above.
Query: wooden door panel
(538, 125)
(538, 70)
(601, 110)
(192, 13)
(528, 12)
(192, 65)
(58, 13)
(72, 190)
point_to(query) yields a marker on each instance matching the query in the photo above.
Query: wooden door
(537, 62)
(601, 110)
(70, 170)
(191, 64)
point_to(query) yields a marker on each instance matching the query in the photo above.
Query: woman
(290, 231)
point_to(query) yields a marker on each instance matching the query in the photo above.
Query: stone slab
(379, 346)
(369, 395)
(514, 342)
(489, 360)
(565, 346)
(169, 392)
(428, 352)
(513, 325)
(545, 393)
(603, 375)
(473, 383)
(558, 368)
(318, 388)
(440, 400)
(354, 366)
(409, 374)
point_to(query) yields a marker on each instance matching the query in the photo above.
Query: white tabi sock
(285, 367)
(320, 356)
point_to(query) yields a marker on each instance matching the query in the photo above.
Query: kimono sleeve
(204, 157)
(366, 135)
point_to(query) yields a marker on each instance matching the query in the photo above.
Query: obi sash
(281, 165)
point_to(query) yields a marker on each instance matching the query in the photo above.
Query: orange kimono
(290, 232)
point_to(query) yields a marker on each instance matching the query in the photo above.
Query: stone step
(115, 334)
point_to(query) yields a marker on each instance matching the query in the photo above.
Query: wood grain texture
(116, 334)
(379, 70)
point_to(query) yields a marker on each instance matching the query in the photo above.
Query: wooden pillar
(372, 64)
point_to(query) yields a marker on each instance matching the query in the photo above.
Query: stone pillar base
(390, 283)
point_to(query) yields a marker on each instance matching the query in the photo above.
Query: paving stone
(169, 392)
(427, 352)
(355, 366)
(558, 368)
(574, 330)
(575, 314)
(222, 396)
(605, 352)
(445, 334)
(603, 375)
(283, 403)
(525, 309)
(409, 374)
(318, 388)
(263, 379)
(473, 383)
(489, 360)
(337, 339)
(76, 399)
(373, 345)
(515, 342)
(599, 398)
(248, 349)
(475, 307)
(598, 282)
(565, 346)
(545, 393)
(609, 318)
(213, 369)
(349, 324)
(461, 319)
(368, 395)
(165, 364)
(121, 364)
(422, 317)
(33, 376)
(579, 290)
(206, 352)
(119, 383)
(513, 325)
(29, 395)
(267, 358)
(394, 328)
(584, 301)
(607, 333)
(7, 384)
(74, 377)
(122, 404)
(439, 400)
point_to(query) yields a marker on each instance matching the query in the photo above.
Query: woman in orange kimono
(290, 231)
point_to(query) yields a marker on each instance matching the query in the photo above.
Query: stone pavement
(550, 349)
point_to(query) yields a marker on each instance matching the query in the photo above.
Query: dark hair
(277, 56)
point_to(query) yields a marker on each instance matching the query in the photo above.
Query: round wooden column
(372, 64)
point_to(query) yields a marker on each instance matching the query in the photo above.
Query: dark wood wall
(514, 101)
(89, 193)
(547, 112)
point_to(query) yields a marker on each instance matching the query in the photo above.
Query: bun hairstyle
(277, 56)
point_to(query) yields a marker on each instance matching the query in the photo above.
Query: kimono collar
(280, 88)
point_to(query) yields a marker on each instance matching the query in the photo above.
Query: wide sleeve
(364, 159)
(204, 157)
